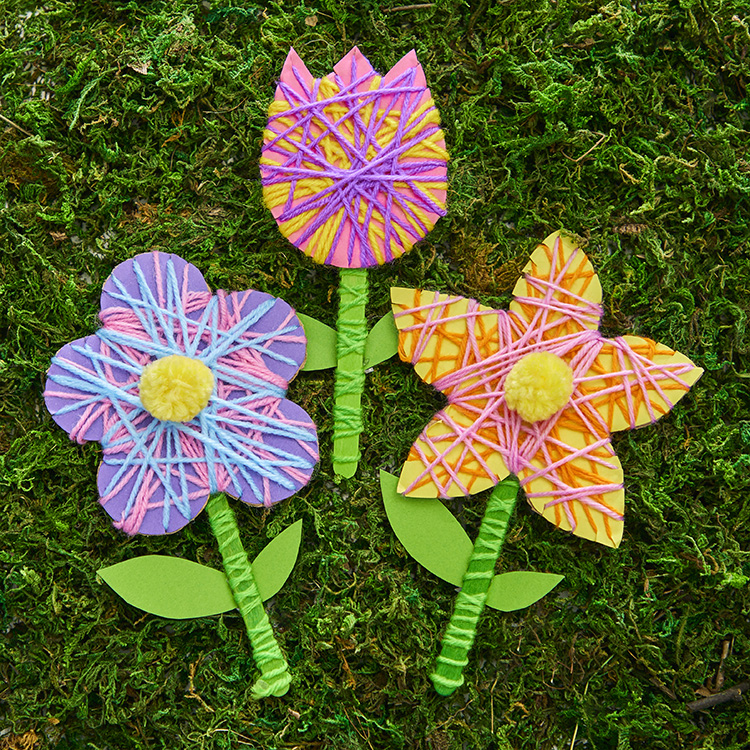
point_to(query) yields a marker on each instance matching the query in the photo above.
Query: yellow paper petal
(636, 380)
(575, 481)
(441, 334)
(443, 462)
(560, 293)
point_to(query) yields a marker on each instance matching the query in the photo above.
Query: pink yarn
(474, 386)
(249, 441)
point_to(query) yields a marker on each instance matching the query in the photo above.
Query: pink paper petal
(354, 67)
(296, 77)
(408, 62)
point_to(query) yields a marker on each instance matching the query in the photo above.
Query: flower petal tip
(425, 491)
(408, 62)
(146, 276)
(401, 299)
(559, 280)
(352, 66)
(295, 75)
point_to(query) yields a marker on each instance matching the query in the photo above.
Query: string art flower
(185, 391)
(533, 392)
(354, 171)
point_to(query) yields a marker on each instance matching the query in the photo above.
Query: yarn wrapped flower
(354, 171)
(354, 164)
(533, 392)
(185, 391)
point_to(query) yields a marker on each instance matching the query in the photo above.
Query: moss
(139, 125)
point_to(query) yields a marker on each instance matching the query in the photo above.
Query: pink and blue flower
(249, 441)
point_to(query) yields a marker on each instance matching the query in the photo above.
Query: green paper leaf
(520, 589)
(181, 589)
(170, 586)
(321, 344)
(438, 542)
(428, 530)
(276, 560)
(382, 341)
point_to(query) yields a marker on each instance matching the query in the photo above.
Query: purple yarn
(372, 176)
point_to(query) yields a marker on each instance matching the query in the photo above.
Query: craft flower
(354, 164)
(534, 391)
(185, 392)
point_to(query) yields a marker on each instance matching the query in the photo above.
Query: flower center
(538, 386)
(175, 388)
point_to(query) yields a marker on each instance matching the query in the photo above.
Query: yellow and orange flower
(560, 448)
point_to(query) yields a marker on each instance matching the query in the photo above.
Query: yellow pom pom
(538, 386)
(176, 388)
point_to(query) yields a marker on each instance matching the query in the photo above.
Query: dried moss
(136, 126)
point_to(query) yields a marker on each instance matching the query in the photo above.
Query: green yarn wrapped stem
(351, 335)
(275, 677)
(461, 631)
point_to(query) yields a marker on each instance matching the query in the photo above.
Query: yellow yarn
(175, 388)
(277, 194)
(538, 386)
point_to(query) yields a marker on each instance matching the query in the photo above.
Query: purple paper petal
(152, 488)
(275, 449)
(78, 381)
(154, 266)
(258, 335)
(157, 298)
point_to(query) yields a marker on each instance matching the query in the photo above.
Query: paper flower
(535, 391)
(354, 164)
(354, 172)
(185, 392)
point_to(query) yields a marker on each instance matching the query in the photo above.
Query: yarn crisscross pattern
(249, 441)
(566, 464)
(354, 164)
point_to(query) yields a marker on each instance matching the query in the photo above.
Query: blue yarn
(238, 453)
(207, 322)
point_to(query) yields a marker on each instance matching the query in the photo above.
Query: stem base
(275, 678)
(462, 628)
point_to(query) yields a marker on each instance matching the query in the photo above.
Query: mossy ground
(139, 125)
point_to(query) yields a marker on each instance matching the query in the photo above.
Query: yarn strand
(461, 631)
(350, 374)
(275, 677)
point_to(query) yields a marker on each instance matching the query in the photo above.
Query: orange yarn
(566, 463)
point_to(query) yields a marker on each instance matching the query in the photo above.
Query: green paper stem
(275, 677)
(350, 372)
(462, 628)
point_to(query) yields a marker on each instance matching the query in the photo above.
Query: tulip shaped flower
(354, 172)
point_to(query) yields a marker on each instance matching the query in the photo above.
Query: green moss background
(127, 126)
